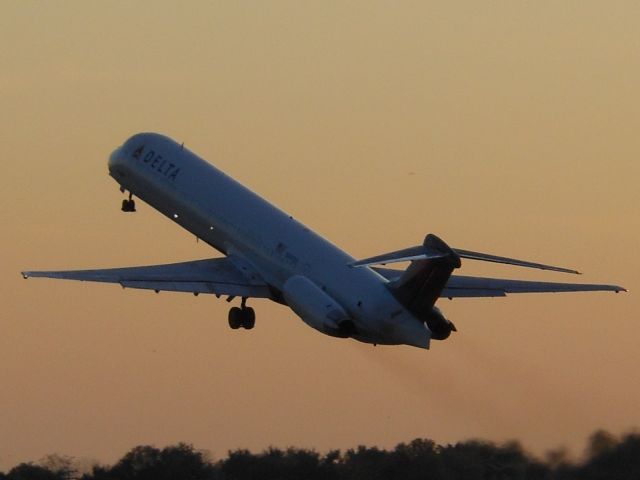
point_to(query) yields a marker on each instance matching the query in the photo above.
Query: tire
(248, 318)
(235, 318)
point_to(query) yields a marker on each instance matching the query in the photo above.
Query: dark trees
(607, 457)
(149, 463)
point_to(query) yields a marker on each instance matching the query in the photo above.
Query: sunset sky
(505, 127)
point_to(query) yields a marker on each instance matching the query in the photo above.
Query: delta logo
(156, 162)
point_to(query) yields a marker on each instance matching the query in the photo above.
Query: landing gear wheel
(236, 318)
(128, 205)
(248, 318)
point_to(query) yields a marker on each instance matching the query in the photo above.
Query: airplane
(268, 254)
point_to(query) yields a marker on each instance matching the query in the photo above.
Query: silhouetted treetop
(29, 471)
(607, 457)
(149, 463)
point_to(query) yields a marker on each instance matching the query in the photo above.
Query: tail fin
(420, 285)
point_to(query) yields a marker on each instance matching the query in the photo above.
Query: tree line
(606, 457)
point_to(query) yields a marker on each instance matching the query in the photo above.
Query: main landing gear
(242, 316)
(128, 205)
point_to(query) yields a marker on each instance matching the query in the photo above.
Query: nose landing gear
(128, 205)
(242, 316)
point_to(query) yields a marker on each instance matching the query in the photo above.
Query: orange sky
(501, 127)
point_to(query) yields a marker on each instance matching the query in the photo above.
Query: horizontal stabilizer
(424, 252)
(406, 255)
(510, 261)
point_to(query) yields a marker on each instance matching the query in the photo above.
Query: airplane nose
(114, 157)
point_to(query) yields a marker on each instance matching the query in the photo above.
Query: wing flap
(218, 276)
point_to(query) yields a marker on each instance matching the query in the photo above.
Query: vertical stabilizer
(420, 285)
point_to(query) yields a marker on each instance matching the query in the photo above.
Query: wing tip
(613, 288)
(560, 269)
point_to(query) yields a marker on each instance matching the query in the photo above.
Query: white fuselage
(240, 224)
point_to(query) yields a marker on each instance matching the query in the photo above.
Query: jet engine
(440, 327)
(316, 307)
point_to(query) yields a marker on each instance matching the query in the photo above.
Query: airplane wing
(218, 276)
(463, 286)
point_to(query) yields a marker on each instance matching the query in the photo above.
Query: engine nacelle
(316, 307)
(440, 327)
